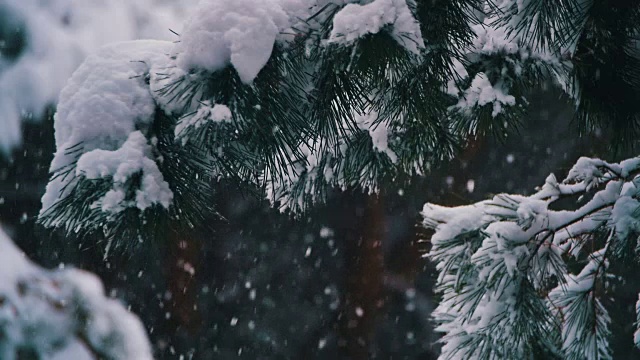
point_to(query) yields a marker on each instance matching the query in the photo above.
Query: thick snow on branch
(482, 92)
(62, 314)
(494, 255)
(205, 113)
(496, 83)
(583, 307)
(106, 101)
(57, 36)
(134, 157)
(355, 21)
(240, 32)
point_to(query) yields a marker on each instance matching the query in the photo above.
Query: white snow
(240, 32)
(587, 170)
(491, 39)
(104, 102)
(471, 185)
(355, 21)
(206, 112)
(531, 209)
(59, 36)
(379, 133)
(326, 232)
(570, 297)
(61, 314)
(510, 158)
(482, 92)
(624, 216)
(133, 157)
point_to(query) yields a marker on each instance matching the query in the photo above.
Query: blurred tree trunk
(364, 284)
(183, 258)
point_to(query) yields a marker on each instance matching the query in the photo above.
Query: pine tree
(294, 98)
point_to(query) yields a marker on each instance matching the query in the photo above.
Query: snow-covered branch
(62, 314)
(511, 255)
(43, 42)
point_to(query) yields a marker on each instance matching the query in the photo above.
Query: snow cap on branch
(133, 158)
(482, 92)
(105, 101)
(206, 112)
(240, 32)
(354, 21)
(54, 37)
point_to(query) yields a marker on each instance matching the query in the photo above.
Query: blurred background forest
(346, 281)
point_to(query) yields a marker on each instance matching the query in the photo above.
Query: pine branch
(521, 241)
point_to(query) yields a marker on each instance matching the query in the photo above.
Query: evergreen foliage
(392, 96)
(522, 278)
(357, 94)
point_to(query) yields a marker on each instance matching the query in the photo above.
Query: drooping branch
(518, 242)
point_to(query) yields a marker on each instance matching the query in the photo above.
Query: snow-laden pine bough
(295, 97)
(62, 314)
(525, 277)
(43, 42)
